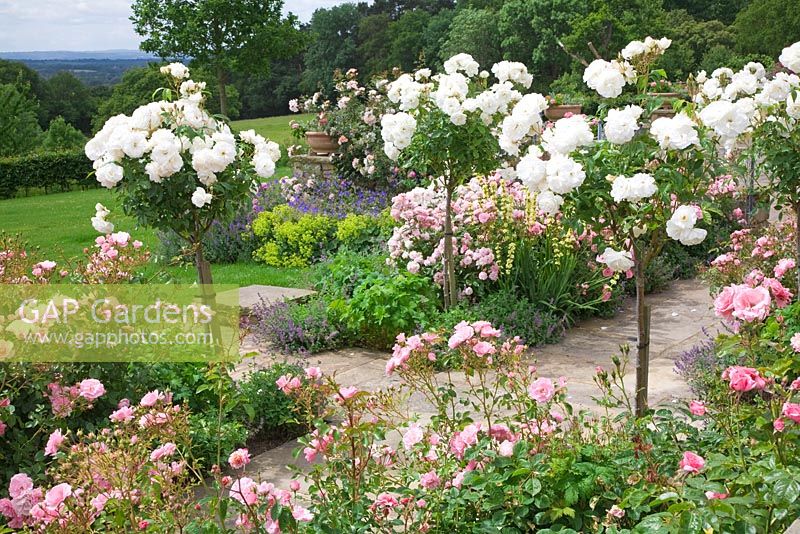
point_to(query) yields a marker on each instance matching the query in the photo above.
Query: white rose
(531, 171)
(616, 260)
(176, 70)
(621, 125)
(109, 174)
(263, 165)
(101, 225)
(564, 174)
(633, 189)
(677, 132)
(790, 57)
(728, 120)
(681, 228)
(548, 202)
(200, 198)
(605, 78)
(633, 49)
(568, 134)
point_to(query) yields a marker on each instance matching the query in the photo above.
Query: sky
(33, 25)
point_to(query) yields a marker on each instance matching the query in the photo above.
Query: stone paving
(680, 316)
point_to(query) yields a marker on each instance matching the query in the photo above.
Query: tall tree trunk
(450, 285)
(797, 241)
(223, 96)
(642, 339)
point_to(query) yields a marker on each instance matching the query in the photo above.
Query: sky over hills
(68, 25)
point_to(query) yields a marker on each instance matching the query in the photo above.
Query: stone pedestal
(308, 165)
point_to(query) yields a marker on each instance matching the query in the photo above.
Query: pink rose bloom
(430, 480)
(711, 495)
(795, 342)
(541, 390)
(751, 304)
(164, 451)
(57, 494)
(245, 490)
(781, 295)
(313, 373)
(691, 462)
(19, 485)
(697, 407)
(506, 449)
(99, 502)
(348, 392)
(482, 348)
(463, 332)
(792, 411)
(137, 244)
(783, 265)
(301, 514)
(385, 500)
(151, 398)
(288, 383)
(53, 443)
(723, 304)
(91, 389)
(413, 435)
(123, 414)
(616, 511)
(778, 425)
(743, 378)
(239, 458)
(795, 384)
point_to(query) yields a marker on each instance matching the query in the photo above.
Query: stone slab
(249, 296)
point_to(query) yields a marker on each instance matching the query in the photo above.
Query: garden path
(681, 315)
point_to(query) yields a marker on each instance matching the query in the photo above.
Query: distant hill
(93, 67)
(49, 55)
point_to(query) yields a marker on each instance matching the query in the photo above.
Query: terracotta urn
(322, 143)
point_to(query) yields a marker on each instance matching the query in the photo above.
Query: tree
(722, 10)
(61, 135)
(767, 26)
(28, 82)
(404, 38)
(18, 121)
(373, 45)
(333, 32)
(70, 99)
(223, 35)
(473, 31)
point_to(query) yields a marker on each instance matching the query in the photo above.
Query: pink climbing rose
(691, 462)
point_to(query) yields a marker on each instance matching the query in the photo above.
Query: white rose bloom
(512, 71)
(605, 78)
(135, 144)
(398, 129)
(790, 57)
(756, 69)
(681, 228)
(200, 198)
(617, 260)
(101, 211)
(548, 202)
(677, 132)
(633, 189)
(391, 151)
(153, 171)
(109, 174)
(621, 124)
(462, 62)
(531, 171)
(728, 120)
(176, 70)
(568, 134)
(101, 225)
(711, 89)
(633, 49)
(793, 107)
(263, 165)
(422, 74)
(564, 174)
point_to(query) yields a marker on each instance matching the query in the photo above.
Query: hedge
(51, 171)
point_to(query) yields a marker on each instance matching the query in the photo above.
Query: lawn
(59, 224)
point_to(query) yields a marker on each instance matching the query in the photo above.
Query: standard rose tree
(176, 167)
(636, 186)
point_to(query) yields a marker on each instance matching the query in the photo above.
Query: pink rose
(783, 265)
(792, 411)
(245, 490)
(53, 443)
(164, 451)
(413, 435)
(795, 385)
(506, 448)
(288, 383)
(239, 458)
(743, 378)
(541, 390)
(697, 407)
(57, 494)
(795, 342)
(430, 480)
(691, 462)
(723, 304)
(463, 332)
(121, 415)
(301, 514)
(294, 485)
(778, 425)
(711, 495)
(313, 373)
(348, 392)
(19, 485)
(151, 398)
(482, 348)
(751, 304)
(616, 511)
(91, 389)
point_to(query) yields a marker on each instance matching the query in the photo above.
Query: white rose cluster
(633, 189)
(651, 47)
(462, 63)
(728, 119)
(621, 124)
(514, 72)
(406, 92)
(525, 119)
(397, 130)
(681, 226)
(676, 132)
(608, 78)
(790, 57)
(617, 260)
(567, 134)
(155, 135)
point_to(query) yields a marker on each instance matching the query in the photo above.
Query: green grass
(59, 224)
